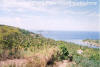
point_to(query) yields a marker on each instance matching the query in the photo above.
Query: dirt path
(22, 63)
(64, 63)
(17, 62)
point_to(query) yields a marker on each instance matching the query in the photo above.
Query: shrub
(95, 57)
(63, 52)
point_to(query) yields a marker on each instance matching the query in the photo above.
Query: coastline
(82, 43)
(92, 42)
(76, 37)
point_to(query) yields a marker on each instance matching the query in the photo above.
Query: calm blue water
(72, 36)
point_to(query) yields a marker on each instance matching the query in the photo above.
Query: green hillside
(17, 43)
(15, 39)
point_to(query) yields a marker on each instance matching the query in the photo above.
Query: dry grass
(41, 58)
(37, 58)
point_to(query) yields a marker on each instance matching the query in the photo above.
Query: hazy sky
(69, 15)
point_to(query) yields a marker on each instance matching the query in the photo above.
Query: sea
(76, 37)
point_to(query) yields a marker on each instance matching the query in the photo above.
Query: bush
(63, 52)
(95, 57)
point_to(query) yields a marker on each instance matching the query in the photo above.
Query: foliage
(14, 40)
(63, 52)
(95, 57)
(86, 62)
(89, 58)
(19, 43)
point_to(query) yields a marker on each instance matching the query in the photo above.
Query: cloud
(44, 23)
(67, 3)
(13, 21)
(22, 6)
(70, 12)
(94, 14)
(47, 6)
(15, 3)
(29, 14)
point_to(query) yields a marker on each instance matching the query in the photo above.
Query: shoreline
(92, 42)
(82, 43)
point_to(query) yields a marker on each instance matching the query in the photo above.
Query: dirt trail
(64, 63)
(17, 62)
(22, 62)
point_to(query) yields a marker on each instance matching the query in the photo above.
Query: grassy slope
(89, 58)
(18, 43)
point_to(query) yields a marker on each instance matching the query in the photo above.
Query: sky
(67, 15)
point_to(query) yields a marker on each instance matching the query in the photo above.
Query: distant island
(22, 48)
(92, 42)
